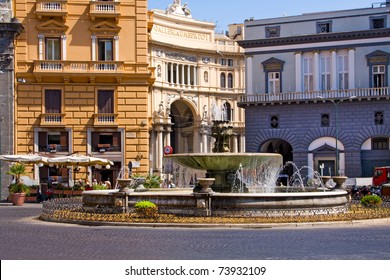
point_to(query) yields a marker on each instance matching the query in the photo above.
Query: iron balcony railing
(365, 93)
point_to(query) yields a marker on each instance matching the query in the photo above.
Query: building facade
(10, 28)
(318, 89)
(199, 77)
(82, 80)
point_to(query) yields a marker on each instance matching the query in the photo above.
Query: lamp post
(1, 166)
(336, 103)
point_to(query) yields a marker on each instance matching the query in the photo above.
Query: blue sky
(224, 12)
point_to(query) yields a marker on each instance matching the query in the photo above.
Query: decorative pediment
(324, 149)
(273, 64)
(53, 26)
(378, 57)
(105, 27)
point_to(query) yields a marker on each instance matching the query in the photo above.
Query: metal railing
(313, 95)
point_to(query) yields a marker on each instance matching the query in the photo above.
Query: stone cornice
(315, 38)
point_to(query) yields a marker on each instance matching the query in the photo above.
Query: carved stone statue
(186, 10)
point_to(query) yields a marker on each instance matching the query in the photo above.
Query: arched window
(230, 80)
(228, 111)
(223, 80)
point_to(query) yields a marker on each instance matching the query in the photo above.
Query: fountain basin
(186, 203)
(225, 161)
(220, 165)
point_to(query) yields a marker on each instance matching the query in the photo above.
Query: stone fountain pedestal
(203, 197)
(340, 181)
(125, 185)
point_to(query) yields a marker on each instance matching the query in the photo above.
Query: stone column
(316, 71)
(172, 73)
(116, 48)
(333, 71)
(177, 74)
(249, 75)
(159, 147)
(63, 46)
(298, 72)
(41, 37)
(188, 75)
(351, 69)
(182, 74)
(93, 48)
(234, 149)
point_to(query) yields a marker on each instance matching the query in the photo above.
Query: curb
(225, 226)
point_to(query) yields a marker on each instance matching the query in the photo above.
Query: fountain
(236, 184)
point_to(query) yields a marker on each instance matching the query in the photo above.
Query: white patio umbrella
(25, 158)
(79, 160)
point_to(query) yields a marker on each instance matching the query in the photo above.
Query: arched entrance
(322, 156)
(282, 147)
(182, 135)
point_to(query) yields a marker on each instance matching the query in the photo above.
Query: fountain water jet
(227, 172)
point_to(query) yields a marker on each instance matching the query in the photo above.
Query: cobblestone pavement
(22, 236)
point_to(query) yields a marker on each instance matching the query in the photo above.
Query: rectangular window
(272, 32)
(325, 73)
(52, 101)
(377, 23)
(109, 141)
(380, 143)
(273, 82)
(308, 76)
(324, 27)
(230, 62)
(105, 50)
(342, 64)
(53, 49)
(105, 101)
(378, 76)
(53, 141)
(222, 61)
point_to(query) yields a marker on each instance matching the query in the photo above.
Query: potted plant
(18, 190)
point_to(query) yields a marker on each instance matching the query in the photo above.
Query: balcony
(104, 9)
(52, 8)
(52, 120)
(105, 119)
(298, 97)
(78, 69)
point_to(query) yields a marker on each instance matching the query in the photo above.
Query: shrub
(99, 187)
(19, 188)
(146, 209)
(371, 200)
(17, 170)
(151, 181)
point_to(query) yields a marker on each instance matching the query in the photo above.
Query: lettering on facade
(179, 56)
(181, 33)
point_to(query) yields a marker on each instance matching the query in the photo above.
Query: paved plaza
(40, 240)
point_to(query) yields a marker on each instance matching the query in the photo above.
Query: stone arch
(184, 117)
(368, 132)
(316, 133)
(268, 134)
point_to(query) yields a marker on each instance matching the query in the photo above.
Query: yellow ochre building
(82, 82)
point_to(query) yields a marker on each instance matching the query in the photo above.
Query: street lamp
(336, 103)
